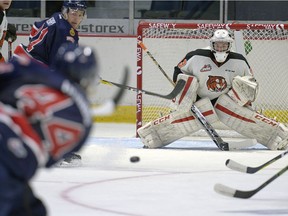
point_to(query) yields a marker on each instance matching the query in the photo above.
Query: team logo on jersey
(216, 83)
(51, 21)
(182, 64)
(63, 135)
(72, 32)
(206, 68)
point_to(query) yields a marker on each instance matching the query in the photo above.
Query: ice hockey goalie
(221, 84)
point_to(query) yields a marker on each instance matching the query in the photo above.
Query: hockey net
(264, 45)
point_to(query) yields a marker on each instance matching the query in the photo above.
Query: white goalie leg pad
(188, 95)
(169, 128)
(249, 123)
(244, 90)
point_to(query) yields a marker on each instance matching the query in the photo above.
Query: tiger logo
(216, 83)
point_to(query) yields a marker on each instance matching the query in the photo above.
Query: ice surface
(174, 181)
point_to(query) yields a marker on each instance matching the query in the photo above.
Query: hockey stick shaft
(225, 190)
(142, 45)
(209, 129)
(9, 48)
(247, 169)
(178, 88)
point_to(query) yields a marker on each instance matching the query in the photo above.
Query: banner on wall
(88, 26)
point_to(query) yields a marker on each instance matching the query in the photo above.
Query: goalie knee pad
(249, 123)
(169, 128)
(188, 95)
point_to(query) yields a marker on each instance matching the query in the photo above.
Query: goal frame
(170, 25)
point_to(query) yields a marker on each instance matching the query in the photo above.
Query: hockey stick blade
(231, 192)
(108, 107)
(178, 88)
(247, 169)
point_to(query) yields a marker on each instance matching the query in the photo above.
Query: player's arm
(185, 65)
(179, 68)
(177, 71)
(22, 148)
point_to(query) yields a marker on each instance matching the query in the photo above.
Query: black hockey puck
(134, 159)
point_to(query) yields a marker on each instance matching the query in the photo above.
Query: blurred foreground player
(44, 116)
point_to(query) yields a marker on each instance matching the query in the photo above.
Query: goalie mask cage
(264, 45)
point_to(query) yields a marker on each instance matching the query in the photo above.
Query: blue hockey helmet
(76, 62)
(74, 5)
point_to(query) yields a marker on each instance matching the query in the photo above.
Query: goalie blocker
(230, 110)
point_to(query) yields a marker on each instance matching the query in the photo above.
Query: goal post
(264, 45)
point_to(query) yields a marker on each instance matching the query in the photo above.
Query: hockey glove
(1, 16)
(11, 33)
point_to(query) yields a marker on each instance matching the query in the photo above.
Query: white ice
(174, 181)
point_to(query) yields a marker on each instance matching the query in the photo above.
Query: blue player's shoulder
(55, 18)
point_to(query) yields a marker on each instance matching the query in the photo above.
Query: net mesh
(265, 47)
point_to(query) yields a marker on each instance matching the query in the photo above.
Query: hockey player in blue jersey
(48, 35)
(44, 115)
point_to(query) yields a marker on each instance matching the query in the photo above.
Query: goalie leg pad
(249, 123)
(188, 95)
(169, 128)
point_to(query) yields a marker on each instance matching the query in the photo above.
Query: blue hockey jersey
(56, 108)
(46, 37)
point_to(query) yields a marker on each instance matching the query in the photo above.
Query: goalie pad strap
(244, 90)
(169, 128)
(251, 124)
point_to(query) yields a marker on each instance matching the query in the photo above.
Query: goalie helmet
(221, 44)
(75, 5)
(78, 63)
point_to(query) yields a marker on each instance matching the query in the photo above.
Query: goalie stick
(141, 44)
(231, 192)
(247, 169)
(109, 106)
(196, 112)
(177, 89)
(224, 146)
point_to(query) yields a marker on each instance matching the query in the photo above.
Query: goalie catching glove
(244, 90)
